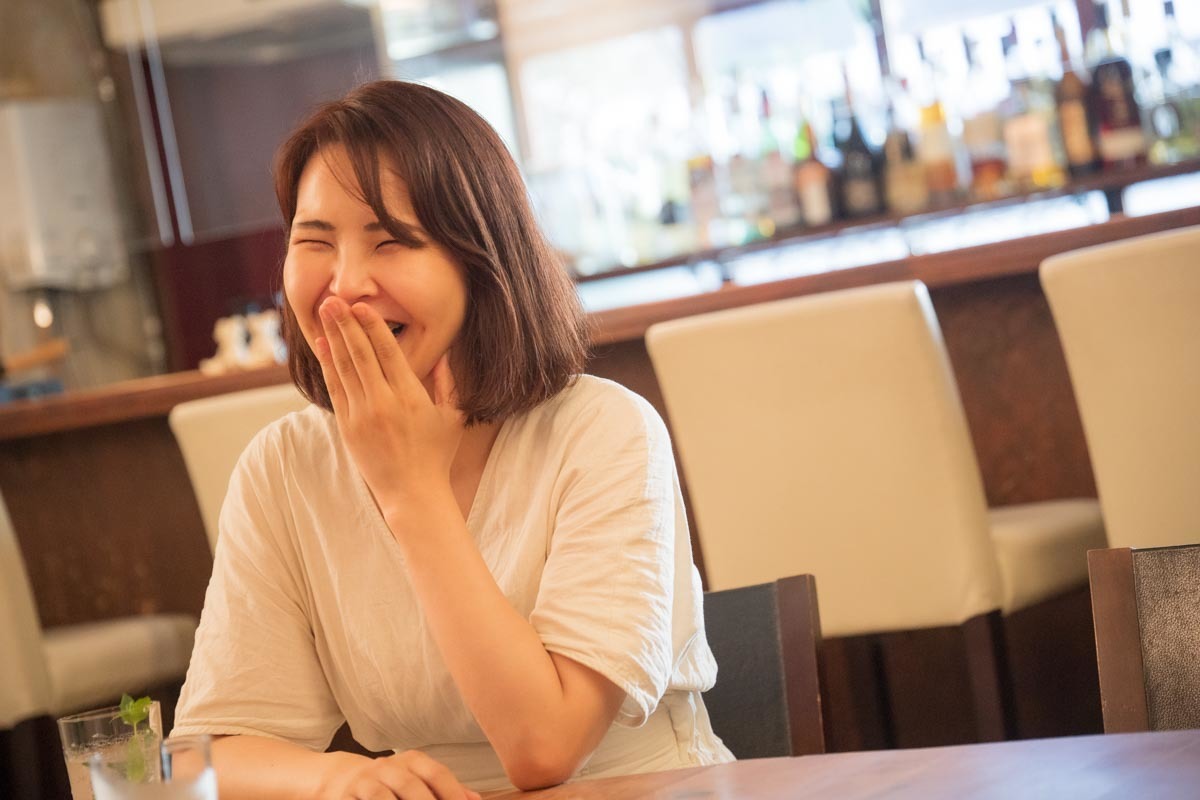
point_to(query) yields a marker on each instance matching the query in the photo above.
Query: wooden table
(1117, 766)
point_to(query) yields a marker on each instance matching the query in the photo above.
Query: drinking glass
(133, 749)
(187, 774)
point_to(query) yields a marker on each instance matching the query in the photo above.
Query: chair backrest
(831, 428)
(1146, 608)
(213, 431)
(1128, 314)
(24, 686)
(767, 699)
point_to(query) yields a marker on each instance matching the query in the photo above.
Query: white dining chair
(1128, 315)
(72, 667)
(825, 435)
(213, 431)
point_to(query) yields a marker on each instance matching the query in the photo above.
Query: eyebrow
(322, 225)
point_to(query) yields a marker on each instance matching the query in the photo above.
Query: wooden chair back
(1145, 604)
(767, 699)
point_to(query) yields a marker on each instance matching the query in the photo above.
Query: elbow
(540, 763)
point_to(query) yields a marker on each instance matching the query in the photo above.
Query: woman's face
(337, 248)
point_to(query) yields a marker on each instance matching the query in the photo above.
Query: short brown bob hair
(524, 337)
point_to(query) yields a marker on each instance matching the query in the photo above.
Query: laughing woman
(471, 552)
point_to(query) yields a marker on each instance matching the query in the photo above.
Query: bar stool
(49, 673)
(1128, 315)
(213, 431)
(825, 435)
(73, 667)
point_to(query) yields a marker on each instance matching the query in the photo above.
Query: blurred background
(670, 147)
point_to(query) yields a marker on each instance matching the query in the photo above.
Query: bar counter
(102, 505)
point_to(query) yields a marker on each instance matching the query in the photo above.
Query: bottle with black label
(861, 195)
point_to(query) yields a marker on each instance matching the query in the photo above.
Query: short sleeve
(606, 597)
(254, 668)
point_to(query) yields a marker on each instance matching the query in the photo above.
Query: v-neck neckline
(485, 477)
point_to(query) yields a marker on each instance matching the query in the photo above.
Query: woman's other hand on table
(410, 775)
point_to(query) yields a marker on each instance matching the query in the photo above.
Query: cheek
(301, 292)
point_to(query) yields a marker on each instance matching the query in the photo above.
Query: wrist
(419, 506)
(337, 772)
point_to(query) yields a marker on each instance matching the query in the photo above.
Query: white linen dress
(310, 619)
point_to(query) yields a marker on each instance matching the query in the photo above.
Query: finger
(340, 355)
(390, 357)
(437, 776)
(333, 383)
(362, 354)
(445, 390)
(406, 784)
(376, 792)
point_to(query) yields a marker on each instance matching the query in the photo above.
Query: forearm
(258, 768)
(507, 678)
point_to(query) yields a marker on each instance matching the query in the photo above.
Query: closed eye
(297, 242)
(398, 243)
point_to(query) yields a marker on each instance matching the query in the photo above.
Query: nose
(352, 278)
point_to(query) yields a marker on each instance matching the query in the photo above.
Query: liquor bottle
(783, 211)
(935, 151)
(904, 177)
(813, 180)
(1166, 122)
(1184, 65)
(935, 147)
(675, 232)
(983, 132)
(1074, 117)
(1029, 127)
(704, 194)
(745, 202)
(1174, 113)
(1120, 139)
(860, 191)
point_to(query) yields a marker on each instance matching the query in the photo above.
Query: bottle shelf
(1110, 181)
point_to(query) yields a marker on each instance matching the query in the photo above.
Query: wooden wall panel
(1015, 389)
(107, 522)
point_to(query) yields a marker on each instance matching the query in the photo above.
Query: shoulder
(600, 407)
(297, 438)
(593, 421)
(286, 461)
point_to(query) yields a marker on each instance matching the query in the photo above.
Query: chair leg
(991, 683)
(1051, 657)
(31, 761)
(946, 685)
(853, 694)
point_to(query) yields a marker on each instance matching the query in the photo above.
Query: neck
(474, 448)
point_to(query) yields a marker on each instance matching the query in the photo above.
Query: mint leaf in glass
(134, 711)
